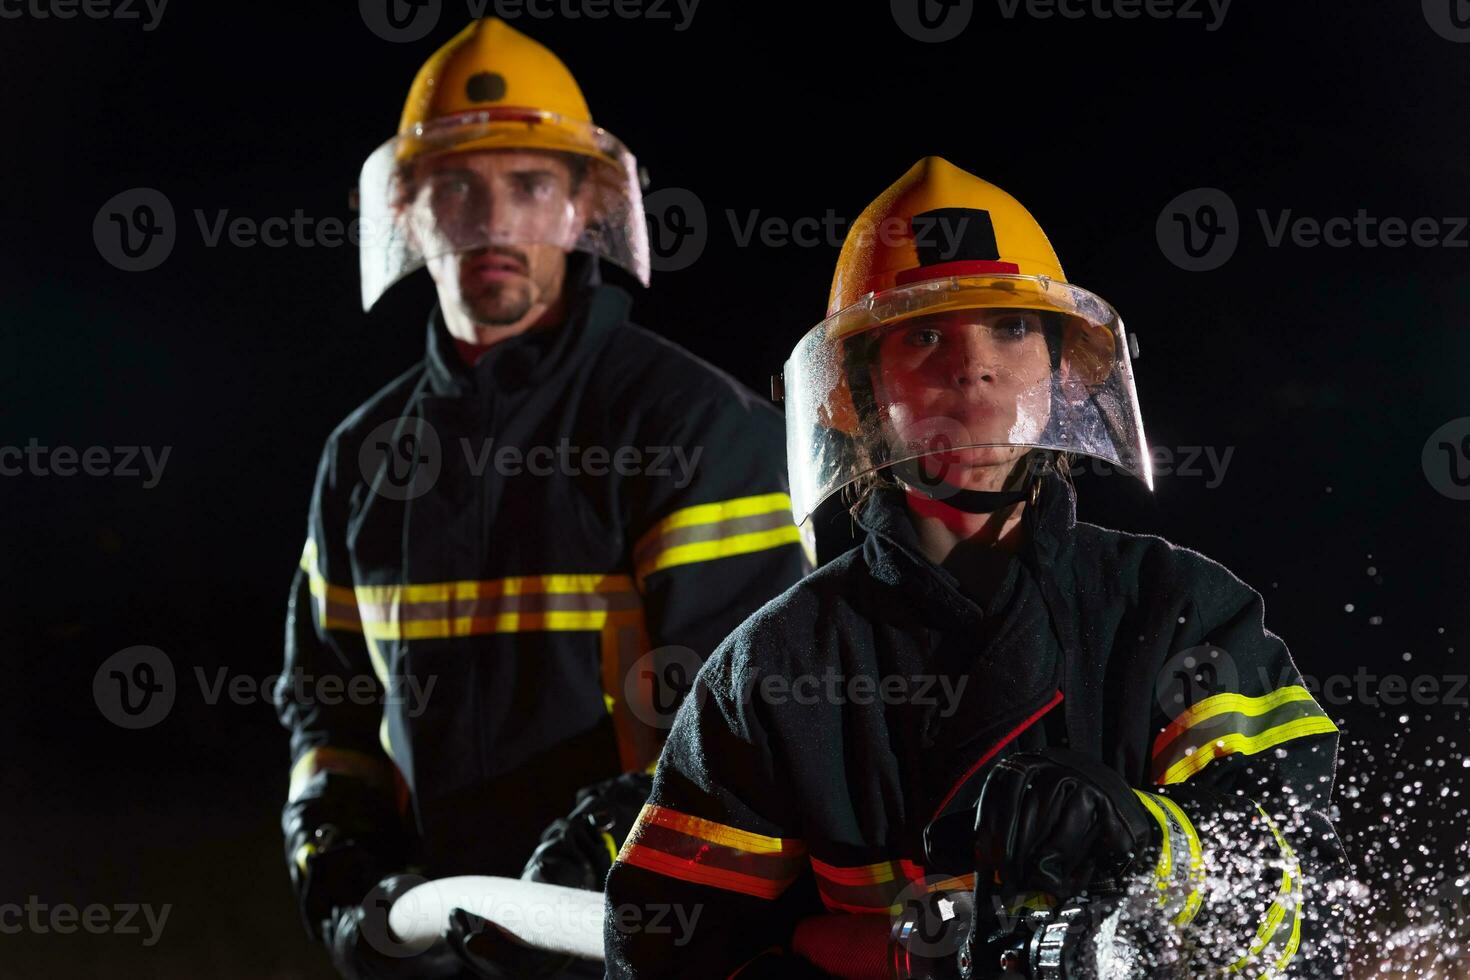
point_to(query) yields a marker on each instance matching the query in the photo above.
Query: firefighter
(988, 697)
(508, 540)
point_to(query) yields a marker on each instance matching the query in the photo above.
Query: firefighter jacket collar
(593, 311)
(894, 557)
(1030, 617)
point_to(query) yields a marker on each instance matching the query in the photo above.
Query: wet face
(952, 380)
(496, 226)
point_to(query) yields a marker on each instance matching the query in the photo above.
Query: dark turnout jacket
(513, 561)
(869, 701)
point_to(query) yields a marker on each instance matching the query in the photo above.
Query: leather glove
(362, 947)
(341, 839)
(1055, 821)
(578, 851)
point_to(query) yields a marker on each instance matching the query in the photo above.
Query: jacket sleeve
(704, 883)
(712, 541)
(1241, 766)
(329, 694)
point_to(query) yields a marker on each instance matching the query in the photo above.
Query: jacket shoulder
(1151, 564)
(389, 402)
(784, 634)
(637, 362)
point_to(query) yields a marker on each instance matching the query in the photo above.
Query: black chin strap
(969, 501)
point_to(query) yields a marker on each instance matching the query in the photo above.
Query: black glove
(578, 851)
(341, 838)
(362, 947)
(1055, 821)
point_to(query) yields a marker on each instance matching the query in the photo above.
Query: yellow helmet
(943, 241)
(491, 65)
(493, 88)
(937, 221)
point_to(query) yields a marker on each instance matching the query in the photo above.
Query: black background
(1326, 369)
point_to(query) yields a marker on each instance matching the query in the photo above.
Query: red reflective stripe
(990, 754)
(701, 874)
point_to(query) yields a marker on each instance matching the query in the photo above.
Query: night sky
(1324, 372)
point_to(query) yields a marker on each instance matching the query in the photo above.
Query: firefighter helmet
(492, 88)
(951, 329)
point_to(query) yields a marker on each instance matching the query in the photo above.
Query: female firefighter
(987, 692)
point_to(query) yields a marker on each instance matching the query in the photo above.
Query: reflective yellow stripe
(1176, 882)
(517, 604)
(705, 852)
(1288, 901)
(705, 532)
(1220, 704)
(1196, 862)
(1236, 743)
(739, 544)
(717, 833)
(336, 606)
(724, 510)
(584, 584)
(1165, 865)
(346, 762)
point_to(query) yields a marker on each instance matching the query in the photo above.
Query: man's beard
(500, 304)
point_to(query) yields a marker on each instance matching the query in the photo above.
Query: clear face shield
(949, 383)
(492, 184)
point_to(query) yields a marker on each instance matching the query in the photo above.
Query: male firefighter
(1011, 709)
(550, 499)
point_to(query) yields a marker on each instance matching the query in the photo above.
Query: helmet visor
(491, 182)
(959, 378)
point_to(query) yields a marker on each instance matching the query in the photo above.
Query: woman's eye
(922, 338)
(1012, 328)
